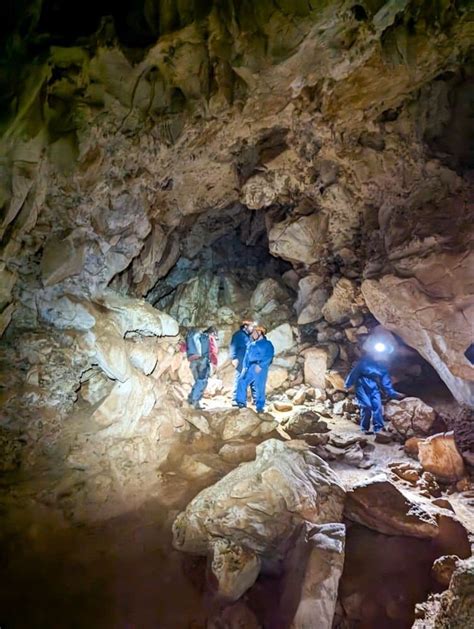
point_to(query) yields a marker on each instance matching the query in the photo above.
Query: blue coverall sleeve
(386, 383)
(352, 377)
(234, 346)
(268, 353)
(245, 364)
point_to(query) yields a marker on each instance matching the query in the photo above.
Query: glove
(235, 362)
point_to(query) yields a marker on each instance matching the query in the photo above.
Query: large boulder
(259, 505)
(298, 240)
(231, 424)
(379, 505)
(410, 417)
(437, 323)
(440, 456)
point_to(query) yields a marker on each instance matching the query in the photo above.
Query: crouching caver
(201, 350)
(257, 360)
(369, 377)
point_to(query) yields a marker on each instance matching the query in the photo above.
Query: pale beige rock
(298, 240)
(142, 355)
(303, 422)
(138, 316)
(246, 422)
(276, 377)
(267, 291)
(335, 380)
(439, 455)
(282, 406)
(316, 363)
(238, 452)
(311, 299)
(126, 404)
(61, 259)
(299, 397)
(410, 417)
(235, 568)
(324, 564)
(258, 504)
(342, 304)
(96, 387)
(282, 338)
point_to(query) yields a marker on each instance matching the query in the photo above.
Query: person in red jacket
(202, 352)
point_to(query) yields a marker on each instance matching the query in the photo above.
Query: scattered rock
(302, 422)
(444, 567)
(411, 446)
(457, 603)
(439, 455)
(344, 440)
(297, 240)
(276, 377)
(406, 471)
(267, 290)
(282, 406)
(335, 380)
(299, 397)
(410, 416)
(354, 455)
(443, 503)
(383, 437)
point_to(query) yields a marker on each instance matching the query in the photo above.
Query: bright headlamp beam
(380, 347)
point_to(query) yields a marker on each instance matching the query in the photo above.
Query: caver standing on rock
(369, 377)
(202, 351)
(238, 346)
(257, 360)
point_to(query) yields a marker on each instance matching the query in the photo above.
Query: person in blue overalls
(369, 377)
(238, 346)
(257, 360)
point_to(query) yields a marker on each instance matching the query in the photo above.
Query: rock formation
(166, 165)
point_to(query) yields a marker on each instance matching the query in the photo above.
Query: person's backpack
(197, 344)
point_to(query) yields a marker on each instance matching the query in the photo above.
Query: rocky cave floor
(125, 573)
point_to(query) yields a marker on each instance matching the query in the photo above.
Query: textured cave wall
(332, 121)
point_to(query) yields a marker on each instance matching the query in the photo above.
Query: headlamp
(380, 347)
